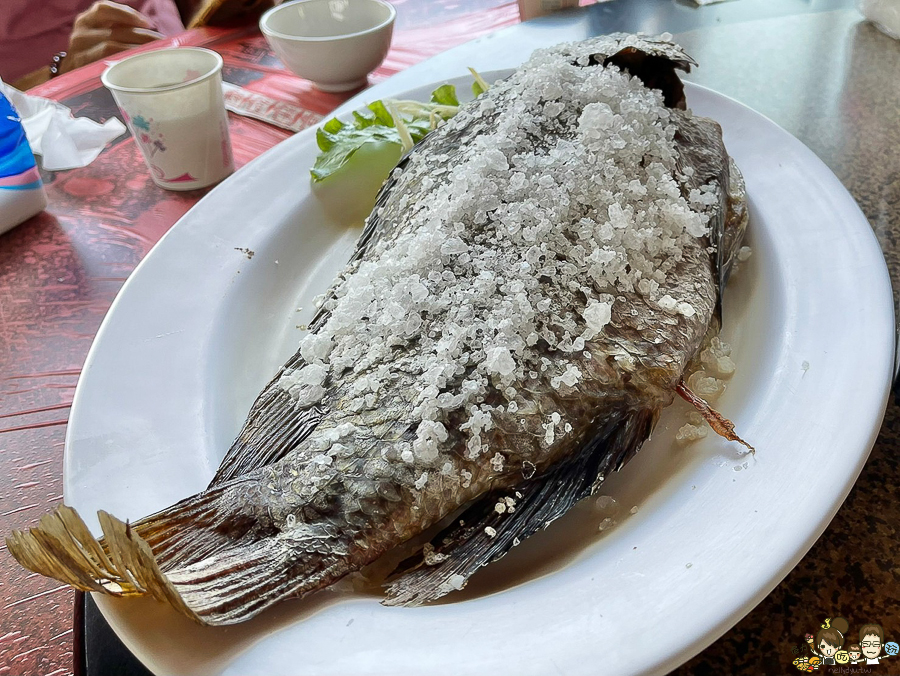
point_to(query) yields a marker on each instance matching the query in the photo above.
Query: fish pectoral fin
(273, 428)
(482, 534)
(719, 423)
(62, 547)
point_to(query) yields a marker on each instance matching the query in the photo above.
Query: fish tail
(204, 560)
(122, 564)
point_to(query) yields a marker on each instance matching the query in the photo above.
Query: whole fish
(525, 298)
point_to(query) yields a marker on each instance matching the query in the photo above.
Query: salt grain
(431, 557)
(605, 502)
(596, 316)
(456, 582)
(688, 433)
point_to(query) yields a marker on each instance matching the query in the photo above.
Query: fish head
(653, 60)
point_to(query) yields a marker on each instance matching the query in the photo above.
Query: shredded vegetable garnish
(392, 123)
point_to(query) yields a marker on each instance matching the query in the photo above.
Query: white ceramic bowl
(334, 43)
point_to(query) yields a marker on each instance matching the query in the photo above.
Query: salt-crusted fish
(525, 299)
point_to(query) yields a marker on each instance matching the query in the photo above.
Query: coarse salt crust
(595, 208)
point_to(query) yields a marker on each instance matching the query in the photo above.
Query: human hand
(106, 28)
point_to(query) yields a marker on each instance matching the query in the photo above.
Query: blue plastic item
(21, 188)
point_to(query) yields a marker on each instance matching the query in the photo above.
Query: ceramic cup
(334, 43)
(172, 102)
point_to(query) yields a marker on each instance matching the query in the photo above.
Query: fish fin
(208, 565)
(273, 428)
(482, 535)
(719, 423)
(275, 425)
(62, 547)
(130, 559)
(194, 528)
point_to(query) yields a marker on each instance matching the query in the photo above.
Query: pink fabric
(32, 31)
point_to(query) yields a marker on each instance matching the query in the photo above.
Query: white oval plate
(199, 328)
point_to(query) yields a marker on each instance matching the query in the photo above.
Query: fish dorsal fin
(482, 534)
(273, 428)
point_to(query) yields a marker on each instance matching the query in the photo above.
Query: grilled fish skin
(282, 518)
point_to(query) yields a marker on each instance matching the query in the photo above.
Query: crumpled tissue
(62, 141)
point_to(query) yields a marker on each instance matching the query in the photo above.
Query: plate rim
(702, 640)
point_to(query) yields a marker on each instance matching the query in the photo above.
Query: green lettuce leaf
(374, 124)
(445, 95)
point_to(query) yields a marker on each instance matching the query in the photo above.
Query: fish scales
(350, 452)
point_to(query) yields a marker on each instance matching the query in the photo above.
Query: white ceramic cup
(172, 102)
(334, 43)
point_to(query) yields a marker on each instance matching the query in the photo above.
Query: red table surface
(60, 271)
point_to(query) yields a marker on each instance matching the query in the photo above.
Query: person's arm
(215, 12)
(106, 28)
(102, 30)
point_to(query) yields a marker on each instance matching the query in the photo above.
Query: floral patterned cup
(172, 102)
